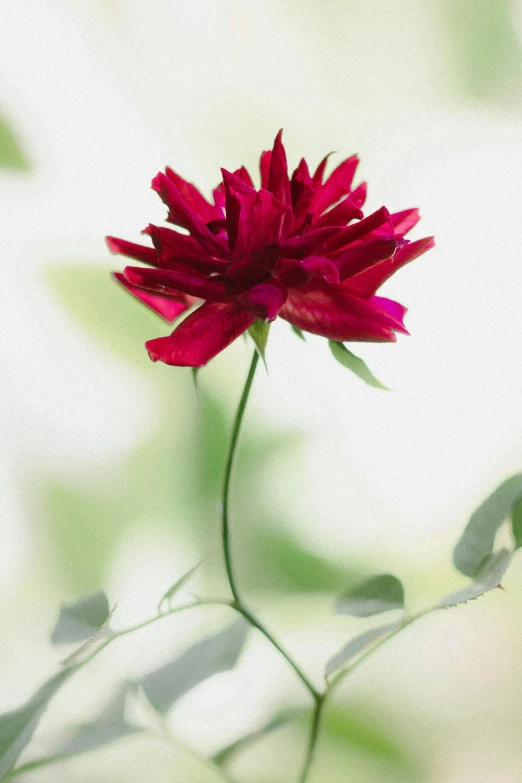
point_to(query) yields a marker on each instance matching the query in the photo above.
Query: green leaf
(489, 578)
(358, 731)
(355, 364)
(299, 332)
(516, 521)
(213, 655)
(477, 541)
(283, 717)
(347, 653)
(171, 592)
(379, 594)
(17, 727)
(11, 154)
(81, 620)
(259, 334)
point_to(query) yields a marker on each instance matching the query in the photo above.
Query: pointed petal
(264, 300)
(139, 252)
(394, 309)
(194, 200)
(264, 168)
(404, 221)
(362, 256)
(358, 195)
(301, 192)
(171, 282)
(180, 214)
(310, 242)
(278, 182)
(244, 176)
(202, 335)
(168, 307)
(317, 179)
(339, 215)
(336, 186)
(366, 283)
(346, 236)
(330, 312)
(321, 267)
(174, 248)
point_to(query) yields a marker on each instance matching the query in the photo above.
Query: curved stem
(225, 527)
(314, 733)
(239, 604)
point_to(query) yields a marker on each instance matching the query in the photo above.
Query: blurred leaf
(379, 594)
(477, 541)
(81, 620)
(486, 58)
(109, 314)
(108, 727)
(213, 655)
(84, 529)
(357, 645)
(11, 154)
(17, 727)
(298, 332)
(361, 733)
(355, 364)
(516, 521)
(279, 562)
(283, 717)
(171, 592)
(259, 334)
(489, 578)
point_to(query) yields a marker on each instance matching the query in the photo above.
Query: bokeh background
(110, 466)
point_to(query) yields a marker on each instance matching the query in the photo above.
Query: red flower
(299, 248)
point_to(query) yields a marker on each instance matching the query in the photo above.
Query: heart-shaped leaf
(379, 594)
(82, 619)
(216, 654)
(488, 579)
(477, 541)
(357, 645)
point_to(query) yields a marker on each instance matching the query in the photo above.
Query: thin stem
(314, 733)
(225, 526)
(238, 603)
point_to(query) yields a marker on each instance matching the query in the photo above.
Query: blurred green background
(111, 466)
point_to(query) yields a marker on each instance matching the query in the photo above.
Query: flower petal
(366, 283)
(311, 241)
(170, 281)
(202, 335)
(264, 168)
(339, 215)
(364, 255)
(404, 221)
(180, 214)
(139, 252)
(321, 267)
(174, 248)
(194, 200)
(264, 300)
(278, 182)
(169, 307)
(336, 186)
(331, 312)
(394, 309)
(358, 195)
(344, 237)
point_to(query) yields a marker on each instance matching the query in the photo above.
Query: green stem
(314, 733)
(236, 429)
(239, 604)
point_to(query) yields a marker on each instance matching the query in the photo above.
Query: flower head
(298, 247)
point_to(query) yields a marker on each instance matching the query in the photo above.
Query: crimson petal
(169, 281)
(337, 185)
(202, 335)
(169, 307)
(174, 248)
(192, 197)
(339, 215)
(331, 312)
(359, 257)
(139, 252)
(264, 300)
(366, 283)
